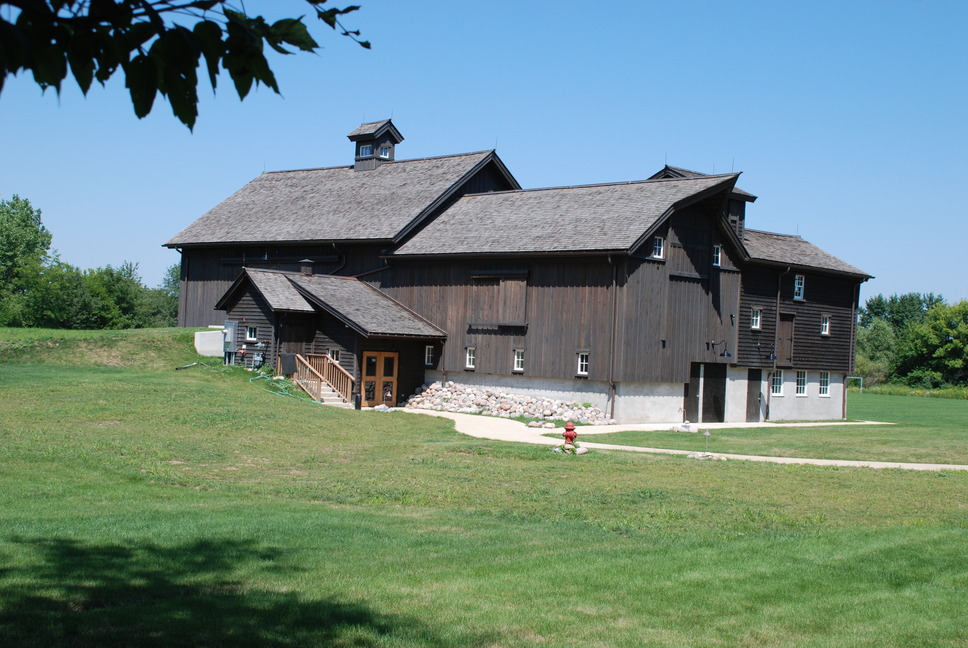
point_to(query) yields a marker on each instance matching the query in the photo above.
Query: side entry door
(380, 370)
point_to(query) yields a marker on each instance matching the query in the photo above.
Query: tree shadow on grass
(86, 595)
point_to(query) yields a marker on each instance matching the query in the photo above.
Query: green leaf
(141, 79)
(293, 32)
(209, 35)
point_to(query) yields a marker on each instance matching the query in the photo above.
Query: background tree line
(37, 289)
(914, 339)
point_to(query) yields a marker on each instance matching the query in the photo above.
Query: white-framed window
(470, 358)
(825, 325)
(251, 333)
(366, 150)
(518, 363)
(799, 282)
(582, 363)
(429, 355)
(658, 248)
(384, 151)
(825, 383)
(333, 354)
(776, 383)
(756, 318)
(717, 255)
(801, 383)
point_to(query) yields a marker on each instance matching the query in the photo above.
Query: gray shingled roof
(570, 219)
(793, 250)
(333, 204)
(369, 128)
(278, 291)
(678, 172)
(363, 307)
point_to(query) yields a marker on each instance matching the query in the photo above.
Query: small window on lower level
(333, 354)
(251, 333)
(470, 357)
(518, 364)
(429, 355)
(582, 363)
(756, 319)
(801, 383)
(776, 383)
(825, 383)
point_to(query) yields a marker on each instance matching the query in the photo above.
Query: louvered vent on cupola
(375, 143)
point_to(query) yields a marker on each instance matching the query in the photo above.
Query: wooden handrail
(338, 378)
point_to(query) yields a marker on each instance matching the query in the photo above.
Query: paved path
(498, 429)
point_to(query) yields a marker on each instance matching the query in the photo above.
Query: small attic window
(384, 152)
(366, 150)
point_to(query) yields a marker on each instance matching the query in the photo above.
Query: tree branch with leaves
(157, 44)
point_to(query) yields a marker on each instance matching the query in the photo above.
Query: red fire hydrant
(569, 433)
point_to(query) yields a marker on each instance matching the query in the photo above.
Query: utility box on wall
(230, 331)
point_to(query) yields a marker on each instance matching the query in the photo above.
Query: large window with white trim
(825, 383)
(756, 319)
(470, 357)
(801, 383)
(799, 284)
(658, 248)
(776, 383)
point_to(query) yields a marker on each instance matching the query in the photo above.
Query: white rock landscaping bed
(453, 397)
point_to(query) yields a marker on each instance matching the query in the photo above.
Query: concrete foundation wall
(810, 406)
(663, 402)
(581, 391)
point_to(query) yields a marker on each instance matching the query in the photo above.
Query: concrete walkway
(498, 429)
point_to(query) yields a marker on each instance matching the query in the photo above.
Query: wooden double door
(379, 373)
(705, 394)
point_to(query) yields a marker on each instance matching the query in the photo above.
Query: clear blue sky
(849, 120)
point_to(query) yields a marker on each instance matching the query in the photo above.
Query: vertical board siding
(827, 295)
(208, 272)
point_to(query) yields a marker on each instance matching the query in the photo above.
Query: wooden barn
(651, 299)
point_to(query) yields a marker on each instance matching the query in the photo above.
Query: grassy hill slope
(143, 505)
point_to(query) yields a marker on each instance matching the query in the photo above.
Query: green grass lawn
(925, 430)
(145, 506)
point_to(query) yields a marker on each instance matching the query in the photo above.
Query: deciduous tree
(157, 44)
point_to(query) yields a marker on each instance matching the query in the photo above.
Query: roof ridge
(387, 163)
(757, 231)
(603, 184)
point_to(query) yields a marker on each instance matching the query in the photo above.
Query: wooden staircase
(324, 380)
(329, 396)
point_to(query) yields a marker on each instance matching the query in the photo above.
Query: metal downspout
(614, 334)
(776, 339)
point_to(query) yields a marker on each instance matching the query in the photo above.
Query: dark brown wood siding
(566, 305)
(248, 311)
(824, 296)
(682, 309)
(208, 272)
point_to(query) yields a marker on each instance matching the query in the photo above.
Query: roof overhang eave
(861, 276)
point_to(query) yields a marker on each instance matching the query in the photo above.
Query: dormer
(375, 143)
(736, 206)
